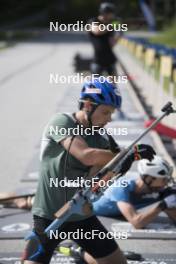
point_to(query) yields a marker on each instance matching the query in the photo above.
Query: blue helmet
(102, 92)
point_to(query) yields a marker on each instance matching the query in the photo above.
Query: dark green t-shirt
(50, 197)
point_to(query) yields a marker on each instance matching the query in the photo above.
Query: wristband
(162, 205)
(115, 150)
(114, 147)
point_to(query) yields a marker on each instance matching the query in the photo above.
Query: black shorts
(96, 246)
(99, 69)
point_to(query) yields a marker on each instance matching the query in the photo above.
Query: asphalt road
(27, 99)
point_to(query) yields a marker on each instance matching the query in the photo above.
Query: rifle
(110, 171)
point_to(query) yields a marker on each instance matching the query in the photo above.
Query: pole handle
(168, 109)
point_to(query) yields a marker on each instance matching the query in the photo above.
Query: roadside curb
(156, 138)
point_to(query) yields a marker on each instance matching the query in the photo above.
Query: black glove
(143, 151)
(167, 191)
(168, 202)
(126, 164)
(140, 151)
(114, 147)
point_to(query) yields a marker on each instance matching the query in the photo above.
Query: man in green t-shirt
(73, 149)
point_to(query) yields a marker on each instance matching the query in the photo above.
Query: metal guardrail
(159, 73)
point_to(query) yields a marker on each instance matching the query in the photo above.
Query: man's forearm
(144, 218)
(171, 213)
(98, 157)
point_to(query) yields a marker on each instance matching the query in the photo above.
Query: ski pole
(4, 200)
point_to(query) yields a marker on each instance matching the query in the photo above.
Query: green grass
(167, 37)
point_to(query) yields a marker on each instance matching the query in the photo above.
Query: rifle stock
(63, 210)
(105, 174)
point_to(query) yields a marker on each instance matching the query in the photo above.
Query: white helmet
(158, 168)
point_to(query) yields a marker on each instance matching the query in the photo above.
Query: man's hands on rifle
(167, 191)
(140, 151)
(168, 202)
